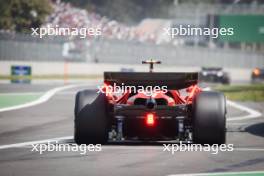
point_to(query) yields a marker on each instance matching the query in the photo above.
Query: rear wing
(170, 79)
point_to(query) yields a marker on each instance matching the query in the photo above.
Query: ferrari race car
(257, 75)
(176, 110)
(214, 75)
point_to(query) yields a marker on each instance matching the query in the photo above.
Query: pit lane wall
(84, 68)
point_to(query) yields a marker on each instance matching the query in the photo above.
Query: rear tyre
(91, 121)
(81, 99)
(209, 118)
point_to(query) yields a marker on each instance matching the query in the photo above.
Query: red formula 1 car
(177, 109)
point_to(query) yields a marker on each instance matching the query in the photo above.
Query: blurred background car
(214, 75)
(257, 75)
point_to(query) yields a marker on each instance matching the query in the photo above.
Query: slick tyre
(81, 99)
(91, 120)
(209, 118)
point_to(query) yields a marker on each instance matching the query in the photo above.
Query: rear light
(150, 119)
(256, 71)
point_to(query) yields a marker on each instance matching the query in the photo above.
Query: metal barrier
(131, 53)
(116, 51)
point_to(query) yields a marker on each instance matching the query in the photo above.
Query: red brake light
(150, 119)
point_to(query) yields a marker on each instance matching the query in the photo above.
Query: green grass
(253, 92)
(238, 174)
(8, 100)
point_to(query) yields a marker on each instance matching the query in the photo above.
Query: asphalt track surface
(54, 118)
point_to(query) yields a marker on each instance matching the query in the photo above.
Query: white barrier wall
(73, 68)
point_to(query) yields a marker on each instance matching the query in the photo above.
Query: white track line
(219, 173)
(40, 100)
(161, 149)
(251, 112)
(249, 149)
(106, 147)
(24, 144)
